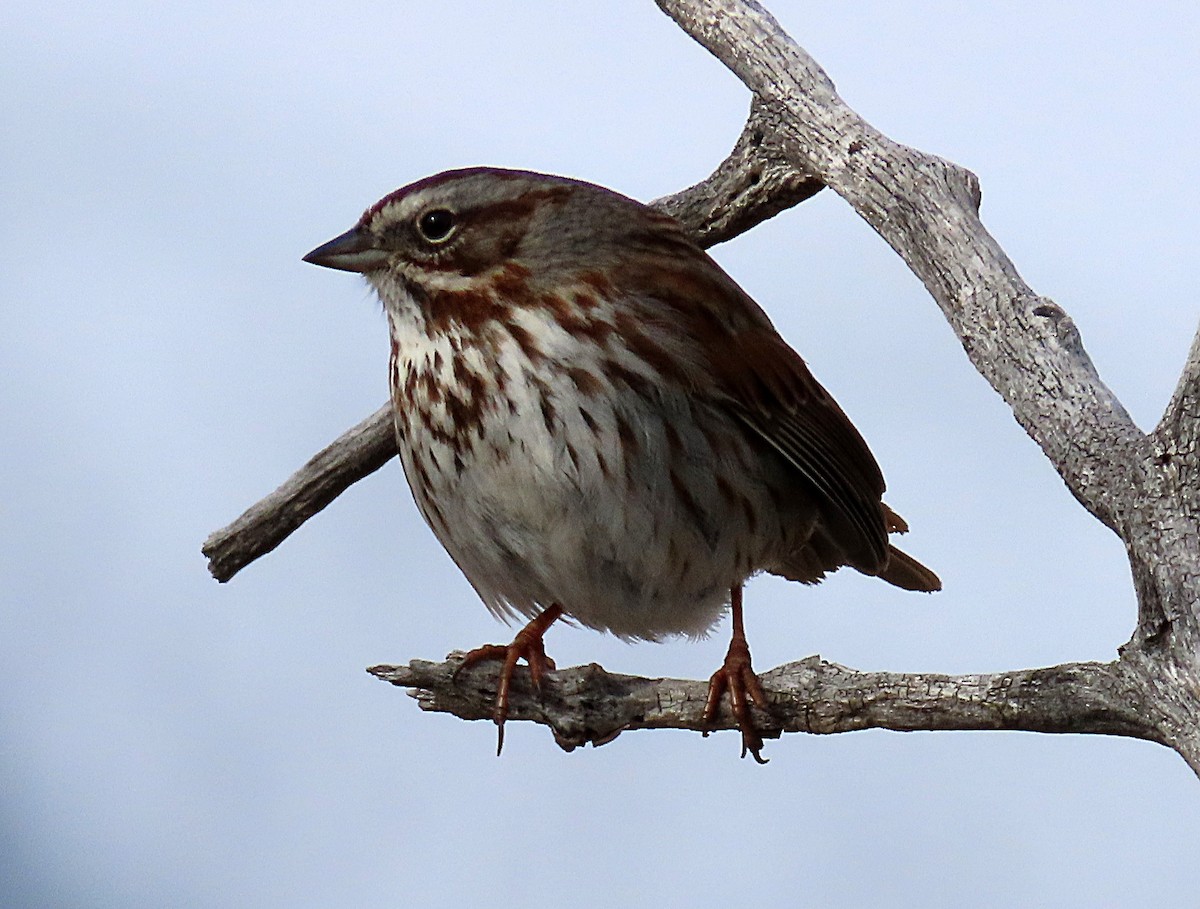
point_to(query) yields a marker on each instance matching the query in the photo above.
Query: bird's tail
(906, 572)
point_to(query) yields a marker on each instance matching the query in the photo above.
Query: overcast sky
(168, 359)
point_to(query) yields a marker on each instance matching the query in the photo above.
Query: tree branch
(1177, 437)
(355, 454)
(587, 704)
(800, 135)
(926, 208)
(754, 183)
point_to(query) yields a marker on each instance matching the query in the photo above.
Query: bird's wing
(773, 393)
(745, 365)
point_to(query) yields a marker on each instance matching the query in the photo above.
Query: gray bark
(799, 137)
(357, 453)
(587, 704)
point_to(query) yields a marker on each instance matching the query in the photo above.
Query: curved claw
(737, 676)
(527, 645)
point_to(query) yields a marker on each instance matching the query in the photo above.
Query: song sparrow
(598, 423)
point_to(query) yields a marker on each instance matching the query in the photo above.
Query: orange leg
(526, 645)
(737, 676)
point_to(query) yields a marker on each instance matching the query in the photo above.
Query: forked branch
(801, 136)
(927, 209)
(1177, 438)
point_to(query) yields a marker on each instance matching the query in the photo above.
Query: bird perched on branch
(598, 423)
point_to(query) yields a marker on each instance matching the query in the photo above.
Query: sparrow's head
(464, 223)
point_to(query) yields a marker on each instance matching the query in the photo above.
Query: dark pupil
(436, 224)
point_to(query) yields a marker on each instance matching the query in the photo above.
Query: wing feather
(746, 365)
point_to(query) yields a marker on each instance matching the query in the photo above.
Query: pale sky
(168, 359)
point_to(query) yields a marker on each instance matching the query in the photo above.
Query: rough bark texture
(355, 454)
(587, 704)
(801, 136)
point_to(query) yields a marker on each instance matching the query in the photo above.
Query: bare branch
(357, 453)
(926, 208)
(1177, 438)
(587, 704)
(1185, 403)
(755, 183)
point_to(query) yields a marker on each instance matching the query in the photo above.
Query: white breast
(549, 480)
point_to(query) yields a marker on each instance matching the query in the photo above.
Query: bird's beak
(355, 250)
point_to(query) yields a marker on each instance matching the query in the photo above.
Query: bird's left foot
(737, 676)
(527, 646)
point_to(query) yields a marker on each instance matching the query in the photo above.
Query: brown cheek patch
(511, 280)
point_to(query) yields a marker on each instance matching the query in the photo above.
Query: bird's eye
(435, 226)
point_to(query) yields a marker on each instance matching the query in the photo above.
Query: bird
(599, 425)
